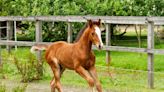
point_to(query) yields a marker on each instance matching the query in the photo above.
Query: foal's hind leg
(62, 69)
(56, 80)
(52, 83)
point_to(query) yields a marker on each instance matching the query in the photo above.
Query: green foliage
(54, 31)
(83, 7)
(77, 7)
(1, 71)
(2, 88)
(27, 69)
(20, 88)
(25, 37)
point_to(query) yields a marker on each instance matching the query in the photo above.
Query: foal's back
(62, 51)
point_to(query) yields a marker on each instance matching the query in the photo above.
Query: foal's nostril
(99, 46)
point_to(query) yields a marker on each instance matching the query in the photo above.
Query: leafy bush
(75, 7)
(24, 37)
(160, 33)
(54, 31)
(58, 31)
(28, 69)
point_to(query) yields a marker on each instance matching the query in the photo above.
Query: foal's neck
(85, 43)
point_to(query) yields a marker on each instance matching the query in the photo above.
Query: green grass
(130, 40)
(121, 62)
(126, 60)
(2, 88)
(123, 80)
(129, 60)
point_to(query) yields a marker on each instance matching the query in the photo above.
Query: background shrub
(28, 68)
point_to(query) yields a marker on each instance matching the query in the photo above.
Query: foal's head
(95, 33)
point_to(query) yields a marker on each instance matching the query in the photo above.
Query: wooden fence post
(0, 31)
(69, 37)
(108, 41)
(150, 45)
(0, 47)
(9, 33)
(15, 33)
(38, 38)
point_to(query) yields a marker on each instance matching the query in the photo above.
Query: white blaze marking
(98, 32)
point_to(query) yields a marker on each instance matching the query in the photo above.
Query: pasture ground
(122, 81)
(38, 86)
(129, 70)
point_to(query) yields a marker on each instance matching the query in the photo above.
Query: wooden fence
(108, 20)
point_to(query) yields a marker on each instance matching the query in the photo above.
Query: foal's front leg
(93, 73)
(82, 72)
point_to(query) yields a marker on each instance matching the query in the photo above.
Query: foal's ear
(90, 24)
(99, 22)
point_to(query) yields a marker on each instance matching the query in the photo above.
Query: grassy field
(122, 66)
(129, 70)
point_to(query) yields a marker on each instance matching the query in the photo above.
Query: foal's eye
(92, 33)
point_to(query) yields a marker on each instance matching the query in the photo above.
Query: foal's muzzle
(99, 46)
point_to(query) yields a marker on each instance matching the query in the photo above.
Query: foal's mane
(81, 32)
(83, 29)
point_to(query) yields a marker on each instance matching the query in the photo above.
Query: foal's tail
(38, 47)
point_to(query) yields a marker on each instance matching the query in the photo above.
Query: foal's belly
(70, 65)
(64, 55)
(66, 64)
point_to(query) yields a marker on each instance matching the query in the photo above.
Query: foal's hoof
(52, 89)
(93, 90)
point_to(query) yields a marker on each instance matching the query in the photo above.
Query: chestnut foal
(76, 56)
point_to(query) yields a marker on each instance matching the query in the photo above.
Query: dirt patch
(40, 87)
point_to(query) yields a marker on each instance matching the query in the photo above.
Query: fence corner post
(150, 46)
(9, 34)
(108, 41)
(0, 47)
(38, 38)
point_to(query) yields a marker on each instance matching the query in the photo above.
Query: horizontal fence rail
(105, 19)
(106, 48)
